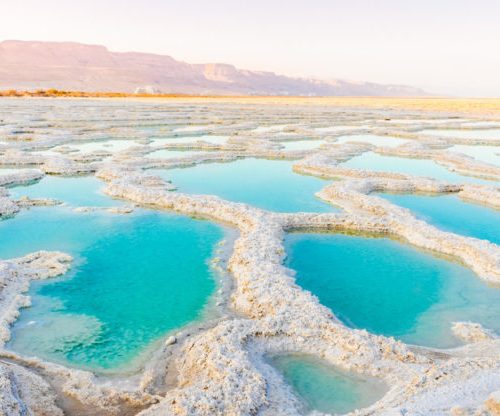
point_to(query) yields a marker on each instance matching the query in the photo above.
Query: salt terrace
(218, 363)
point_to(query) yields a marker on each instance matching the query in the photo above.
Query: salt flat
(170, 280)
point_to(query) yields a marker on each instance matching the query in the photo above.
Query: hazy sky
(445, 46)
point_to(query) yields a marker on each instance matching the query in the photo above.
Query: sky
(447, 47)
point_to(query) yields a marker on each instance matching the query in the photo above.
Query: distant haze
(29, 65)
(444, 46)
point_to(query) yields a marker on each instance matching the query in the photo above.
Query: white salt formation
(219, 369)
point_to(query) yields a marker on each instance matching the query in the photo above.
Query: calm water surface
(135, 277)
(465, 134)
(387, 141)
(417, 167)
(76, 191)
(324, 388)
(268, 184)
(450, 213)
(488, 154)
(391, 289)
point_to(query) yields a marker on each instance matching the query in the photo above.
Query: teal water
(418, 167)
(324, 388)
(374, 139)
(391, 289)
(76, 191)
(268, 184)
(450, 213)
(104, 146)
(465, 134)
(135, 278)
(488, 154)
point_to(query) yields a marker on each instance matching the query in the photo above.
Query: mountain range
(29, 65)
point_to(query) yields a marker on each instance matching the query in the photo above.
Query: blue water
(465, 134)
(450, 213)
(111, 146)
(268, 184)
(135, 277)
(76, 191)
(391, 289)
(374, 139)
(488, 154)
(324, 388)
(418, 167)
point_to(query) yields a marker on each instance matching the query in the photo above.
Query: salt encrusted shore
(222, 369)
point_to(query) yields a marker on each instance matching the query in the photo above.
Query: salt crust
(222, 370)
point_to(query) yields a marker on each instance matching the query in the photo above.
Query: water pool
(111, 146)
(450, 213)
(135, 278)
(268, 184)
(392, 289)
(488, 154)
(387, 141)
(324, 388)
(76, 191)
(465, 134)
(417, 167)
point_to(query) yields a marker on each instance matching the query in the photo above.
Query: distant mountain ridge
(28, 65)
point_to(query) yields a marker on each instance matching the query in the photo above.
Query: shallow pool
(387, 141)
(450, 213)
(268, 184)
(391, 289)
(111, 146)
(465, 134)
(407, 166)
(187, 129)
(325, 388)
(76, 191)
(488, 154)
(135, 278)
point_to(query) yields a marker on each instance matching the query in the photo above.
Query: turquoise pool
(75, 191)
(324, 388)
(417, 167)
(267, 184)
(488, 154)
(465, 134)
(388, 141)
(450, 213)
(135, 278)
(392, 289)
